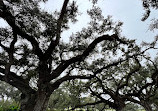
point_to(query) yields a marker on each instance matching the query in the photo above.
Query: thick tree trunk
(119, 109)
(41, 102)
(147, 106)
(38, 100)
(119, 104)
(35, 102)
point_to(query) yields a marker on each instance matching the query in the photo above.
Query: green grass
(7, 105)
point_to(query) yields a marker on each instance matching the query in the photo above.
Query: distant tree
(67, 96)
(118, 87)
(59, 100)
(8, 92)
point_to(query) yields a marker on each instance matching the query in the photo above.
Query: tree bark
(119, 109)
(120, 104)
(35, 102)
(41, 102)
(147, 106)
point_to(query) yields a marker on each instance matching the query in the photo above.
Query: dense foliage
(34, 58)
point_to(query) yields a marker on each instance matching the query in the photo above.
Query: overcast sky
(129, 12)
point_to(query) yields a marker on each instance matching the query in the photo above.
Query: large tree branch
(110, 65)
(11, 56)
(106, 91)
(81, 57)
(87, 104)
(57, 83)
(55, 42)
(4, 47)
(95, 73)
(91, 76)
(113, 96)
(111, 104)
(87, 77)
(16, 81)
(129, 98)
(6, 14)
(13, 41)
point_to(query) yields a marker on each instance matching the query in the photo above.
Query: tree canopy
(35, 60)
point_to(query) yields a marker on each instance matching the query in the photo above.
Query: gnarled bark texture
(147, 106)
(35, 102)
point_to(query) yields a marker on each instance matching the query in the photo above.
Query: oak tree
(35, 59)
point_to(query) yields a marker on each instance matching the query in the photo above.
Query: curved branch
(106, 91)
(110, 65)
(111, 104)
(4, 47)
(81, 57)
(87, 104)
(54, 43)
(16, 81)
(57, 83)
(6, 15)
(11, 57)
